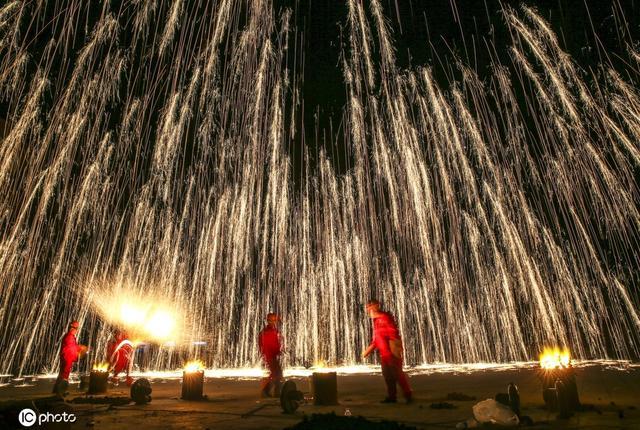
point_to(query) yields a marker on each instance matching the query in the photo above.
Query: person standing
(70, 351)
(387, 340)
(269, 342)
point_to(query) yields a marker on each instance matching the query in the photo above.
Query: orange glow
(146, 316)
(101, 367)
(194, 366)
(555, 358)
(321, 367)
(161, 325)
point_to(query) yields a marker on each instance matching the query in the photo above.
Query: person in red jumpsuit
(70, 351)
(120, 355)
(387, 340)
(270, 345)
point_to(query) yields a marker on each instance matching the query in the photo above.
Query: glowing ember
(130, 315)
(161, 325)
(194, 366)
(555, 358)
(101, 367)
(321, 367)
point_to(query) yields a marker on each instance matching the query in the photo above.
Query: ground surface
(232, 403)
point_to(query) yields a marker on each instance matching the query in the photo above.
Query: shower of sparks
(144, 316)
(157, 157)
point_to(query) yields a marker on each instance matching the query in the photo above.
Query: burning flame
(194, 366)
(555, 358)
(101, 367)
(321, 367)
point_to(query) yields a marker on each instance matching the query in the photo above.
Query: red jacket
(269, 342)
(384, 330)
(69, 349)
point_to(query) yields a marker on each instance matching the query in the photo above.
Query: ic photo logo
(28, 418)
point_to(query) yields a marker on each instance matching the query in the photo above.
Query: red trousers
(65, 368)
(394, 375)
(275, 375)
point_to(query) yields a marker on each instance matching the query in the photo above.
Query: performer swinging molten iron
(271, 348)
(386, 339)
(120, 354)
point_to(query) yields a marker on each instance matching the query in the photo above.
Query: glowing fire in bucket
(194, 366)
(193, 380)
(100, 367)
(555, 358)
(320, 367)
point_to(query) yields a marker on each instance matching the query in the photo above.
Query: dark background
(433, 33)
(426, 33)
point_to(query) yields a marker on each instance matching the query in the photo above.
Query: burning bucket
(559, 387)
(193, 380)
(98, 378)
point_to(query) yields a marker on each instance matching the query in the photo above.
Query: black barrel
(98, 382)
(192, 385)
(324, 386)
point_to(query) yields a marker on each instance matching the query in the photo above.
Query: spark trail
(156, 160)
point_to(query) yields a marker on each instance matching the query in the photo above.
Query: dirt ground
(233, 403)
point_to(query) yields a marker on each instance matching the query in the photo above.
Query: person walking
(387, 340)
(270, 343)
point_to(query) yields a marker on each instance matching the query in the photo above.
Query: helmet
(273, 317)
(373, 302)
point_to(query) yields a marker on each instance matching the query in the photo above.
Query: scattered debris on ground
(102, 400)
(335, 422)
(460, 397)
(442, 405)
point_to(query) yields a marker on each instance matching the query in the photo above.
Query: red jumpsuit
(69, 352)
(384, 331)
(119, 358)
(270, 348)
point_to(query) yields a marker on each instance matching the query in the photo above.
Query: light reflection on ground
(425, 369)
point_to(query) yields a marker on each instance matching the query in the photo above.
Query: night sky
(434, 33)
(427, 33)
